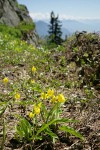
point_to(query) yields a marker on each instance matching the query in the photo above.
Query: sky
(66, 9)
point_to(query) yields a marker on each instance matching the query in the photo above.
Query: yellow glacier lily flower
(61, 98)
(5, 80)
(31, 115)
(32, 81)
(36, 110)
(17, 96)
(33, 69)
(44, 96)
(39, 105)
(54, 99)
(50, 92)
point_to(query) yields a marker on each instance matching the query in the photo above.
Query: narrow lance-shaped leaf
(44, 126)
(71, 131)
(2, 110)
(51, 112)
(52, 134)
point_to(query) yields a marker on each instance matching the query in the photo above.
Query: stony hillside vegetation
(49, 95)
(58, 82)
(84, 50)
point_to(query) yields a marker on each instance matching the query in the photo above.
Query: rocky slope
(12, 14)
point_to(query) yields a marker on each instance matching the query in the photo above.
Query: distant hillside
(69, 26)
(93, 24)
(42, 29)
(80, 25)
(73, 25)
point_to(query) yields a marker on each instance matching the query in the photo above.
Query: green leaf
(65, 120)
(71, 131)
(3, 106)
(24, 129)
(85, 54)
(44, 113)
(4, 135)
(44, 126)
(51, 112)
(19, 132)
(52, 135)
(2, 110)
(37, 138)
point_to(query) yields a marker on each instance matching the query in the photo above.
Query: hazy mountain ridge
(42, 28)
(70, 26)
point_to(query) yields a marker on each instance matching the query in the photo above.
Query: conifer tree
(55, 30)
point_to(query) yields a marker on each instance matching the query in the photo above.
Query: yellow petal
(50, 92)
(33, 69)
(54, 99)
(32, 81)
(44, 95)
(31, 115)
(17, 96)
(61, 98)
(36, 110)
(39, 105)
(5, 80)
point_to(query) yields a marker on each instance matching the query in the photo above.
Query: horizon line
(46, 16)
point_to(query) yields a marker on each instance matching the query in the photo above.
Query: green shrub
(26, 27)
(22, 7)
(15, 32)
